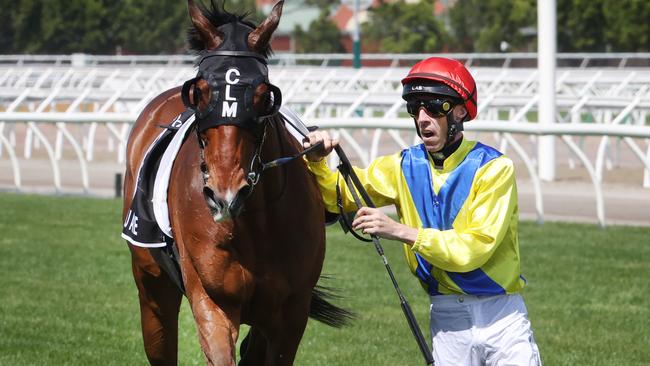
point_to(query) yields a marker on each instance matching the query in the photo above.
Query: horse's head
(232, 98)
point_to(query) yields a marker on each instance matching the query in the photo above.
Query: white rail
(84, 113)
(505, 60)
(348, 127)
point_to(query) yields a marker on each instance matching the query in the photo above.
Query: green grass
(67, 296)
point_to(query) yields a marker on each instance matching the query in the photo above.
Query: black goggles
(435, 107)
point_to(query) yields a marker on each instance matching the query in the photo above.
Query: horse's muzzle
(222, 208)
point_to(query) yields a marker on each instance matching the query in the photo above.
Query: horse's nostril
(244, 192)
(213, 202)
(222, 209)
(237, 205)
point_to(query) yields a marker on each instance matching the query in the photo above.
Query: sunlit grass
(67, 296)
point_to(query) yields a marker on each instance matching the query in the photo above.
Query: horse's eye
(202, 93)
(196, 92)
(263, 103)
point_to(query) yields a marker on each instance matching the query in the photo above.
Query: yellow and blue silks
(466, 214)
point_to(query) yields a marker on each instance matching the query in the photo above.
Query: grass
(67, 296)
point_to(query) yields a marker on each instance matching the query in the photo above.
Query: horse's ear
(209, 34)
(260, 37)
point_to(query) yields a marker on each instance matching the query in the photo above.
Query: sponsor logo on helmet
(417, 87)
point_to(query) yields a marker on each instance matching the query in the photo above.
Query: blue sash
(439, 211)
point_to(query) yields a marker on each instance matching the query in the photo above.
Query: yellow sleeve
(478, 232)
(379, 180)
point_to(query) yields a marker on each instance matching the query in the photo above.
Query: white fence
(60, 113)
(506, 60)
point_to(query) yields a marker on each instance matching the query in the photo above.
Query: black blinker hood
(232, 76)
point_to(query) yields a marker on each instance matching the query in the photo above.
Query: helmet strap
(440, 156)
(454, 127)
(417, 128)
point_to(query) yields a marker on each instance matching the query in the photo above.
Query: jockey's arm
(378, 180)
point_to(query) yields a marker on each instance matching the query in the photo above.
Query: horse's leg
(217, 332)
(285, 337)
(160, 302)
(217, 324)
(253, 348)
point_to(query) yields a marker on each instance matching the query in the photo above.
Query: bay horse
(251, 244)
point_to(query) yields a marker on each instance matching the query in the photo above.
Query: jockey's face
(434, 126)
(433, 129)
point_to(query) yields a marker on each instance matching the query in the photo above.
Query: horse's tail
(326, 312)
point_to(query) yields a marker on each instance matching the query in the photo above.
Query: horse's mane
(218, 16)
(282, 129)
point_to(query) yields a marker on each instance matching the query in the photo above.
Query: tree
(74, 26)
(9, 12)
(151, 26)
(323, 4)
(25, 24)
(159, 26)
(91, 26)
(627, 25)
(248, 7)
(404, 27)
(322, 36)
(582, 26)
(55, 26)
(481, 25)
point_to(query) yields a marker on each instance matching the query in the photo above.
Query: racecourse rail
(82, 106)
(514, 59)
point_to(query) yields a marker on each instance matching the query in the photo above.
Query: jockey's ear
(459, 112)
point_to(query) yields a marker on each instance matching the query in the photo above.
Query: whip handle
(415, 329)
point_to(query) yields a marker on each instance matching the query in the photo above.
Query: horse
(250, 244)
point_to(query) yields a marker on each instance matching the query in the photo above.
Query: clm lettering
(230, 109)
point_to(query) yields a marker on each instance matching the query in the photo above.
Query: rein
(288, 159)
(353, 182)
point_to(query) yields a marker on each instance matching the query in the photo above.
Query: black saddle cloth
(140, 227)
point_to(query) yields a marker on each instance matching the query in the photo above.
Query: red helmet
(445, 76)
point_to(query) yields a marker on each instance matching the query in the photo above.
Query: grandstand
(70, 115)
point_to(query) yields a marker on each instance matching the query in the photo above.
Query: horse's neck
(278, 144)
(278, 141)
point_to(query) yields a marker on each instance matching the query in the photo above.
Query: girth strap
(168, 259)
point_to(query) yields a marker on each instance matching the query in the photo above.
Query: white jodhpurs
(486, 330)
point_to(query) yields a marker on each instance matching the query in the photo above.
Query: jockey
(457, 205)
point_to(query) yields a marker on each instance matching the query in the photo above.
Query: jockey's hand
(373, 221)
(316, 137)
